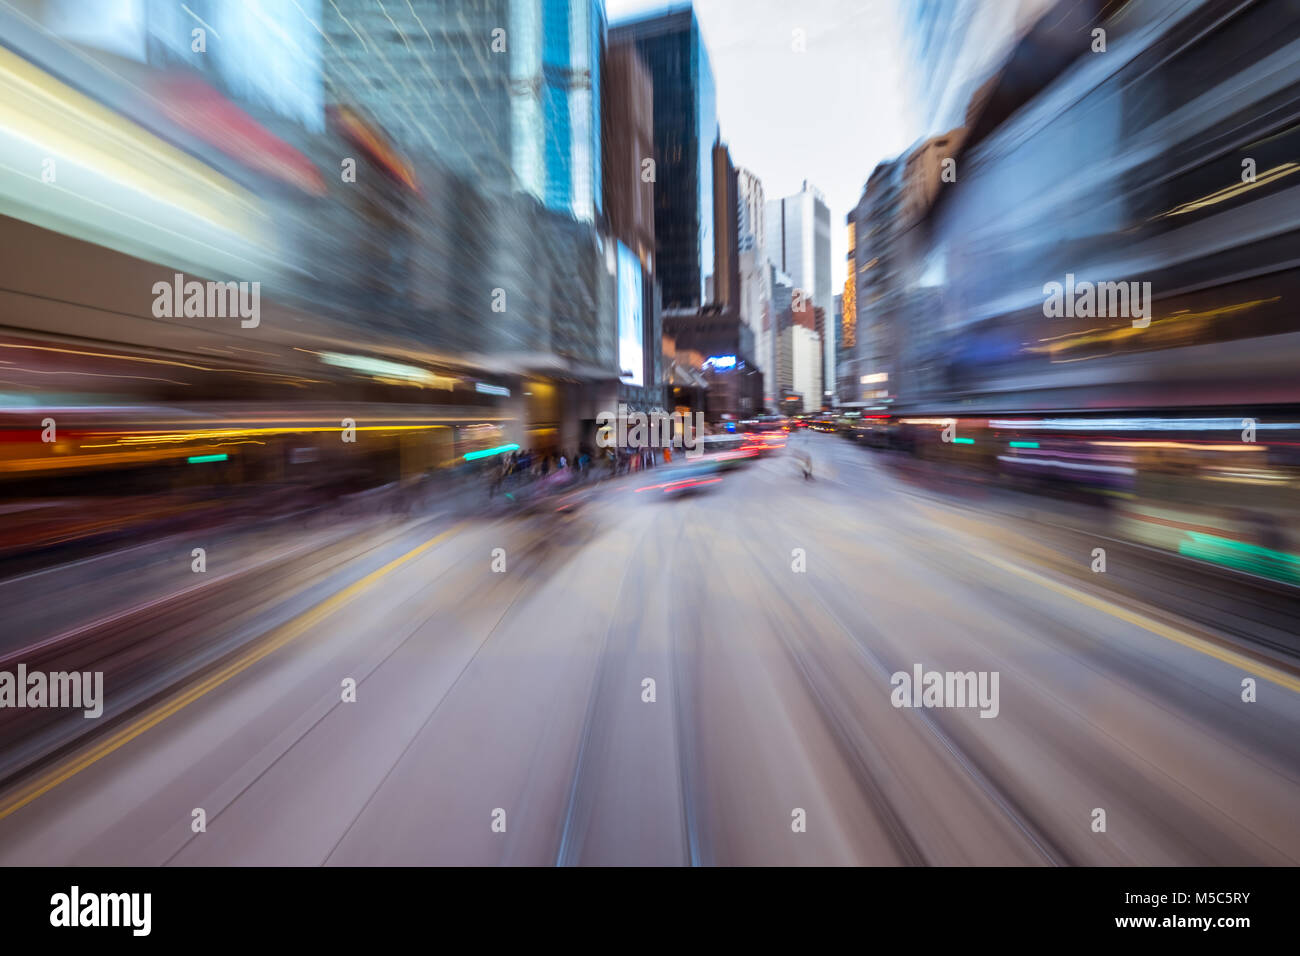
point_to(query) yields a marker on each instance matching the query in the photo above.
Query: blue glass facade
(685, 129)
(517, 112)
(707, 120)
(572, 35)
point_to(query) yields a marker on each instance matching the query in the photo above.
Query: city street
(504, 716)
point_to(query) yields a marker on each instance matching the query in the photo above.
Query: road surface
(502, 716)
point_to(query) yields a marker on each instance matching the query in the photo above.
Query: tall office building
(846, 346)
(750, 212)
(555, 110)
(886, 236)
(685, 131)
(878, 296)
(725, 287)
(805, 359)
(503, 92)
(755, 277)
(496, 103)
(782, 374)
(799, 244)
(627, 140)
(837, 329)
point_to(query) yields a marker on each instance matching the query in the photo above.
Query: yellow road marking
(1249, 664)
(269, 644)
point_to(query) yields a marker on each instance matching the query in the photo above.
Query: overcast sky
(827, 115)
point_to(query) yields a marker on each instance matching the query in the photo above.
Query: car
(694, 475)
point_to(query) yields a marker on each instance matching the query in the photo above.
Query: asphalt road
(501, 716)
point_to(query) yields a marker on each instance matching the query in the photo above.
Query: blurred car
(767, 423)
(728, 452)
(693, 475)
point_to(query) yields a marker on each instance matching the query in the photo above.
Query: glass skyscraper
(504, 92)
(555, 102)
(799, 243)
(685, 129)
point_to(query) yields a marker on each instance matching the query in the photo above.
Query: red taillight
(688, 483)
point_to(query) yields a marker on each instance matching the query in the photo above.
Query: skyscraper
(879, 287)
(685, 130)
(755, 276)
(496, 103)
(627, 142)
(782, 311)
(555, 110)
(503, 92)
(725, 287)
(799, 244)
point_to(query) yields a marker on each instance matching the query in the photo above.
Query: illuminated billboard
(631, 338)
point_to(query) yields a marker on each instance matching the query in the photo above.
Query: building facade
(888, 249)
(503, 92)
(496, 104)
(807, 366)
(799, 244)
(627, 135)
(756, 276)
(725, 286)
(782, 311)
(879, 284)
(685, 131)
(627, 126)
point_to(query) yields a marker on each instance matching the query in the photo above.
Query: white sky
(827, 115)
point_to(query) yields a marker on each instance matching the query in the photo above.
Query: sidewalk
(45, 603)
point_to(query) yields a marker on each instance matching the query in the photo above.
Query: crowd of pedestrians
(526, 466)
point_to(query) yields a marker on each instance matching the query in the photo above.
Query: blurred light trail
(490, 452)
(1129, 424)
(1230, 192)
(121, 182)
(1243, 556)
(1067, 465)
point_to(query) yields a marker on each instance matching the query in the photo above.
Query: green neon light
(200, 459)
(489, 452)
(963, 441)
(1265, 562)
(1024, 444)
